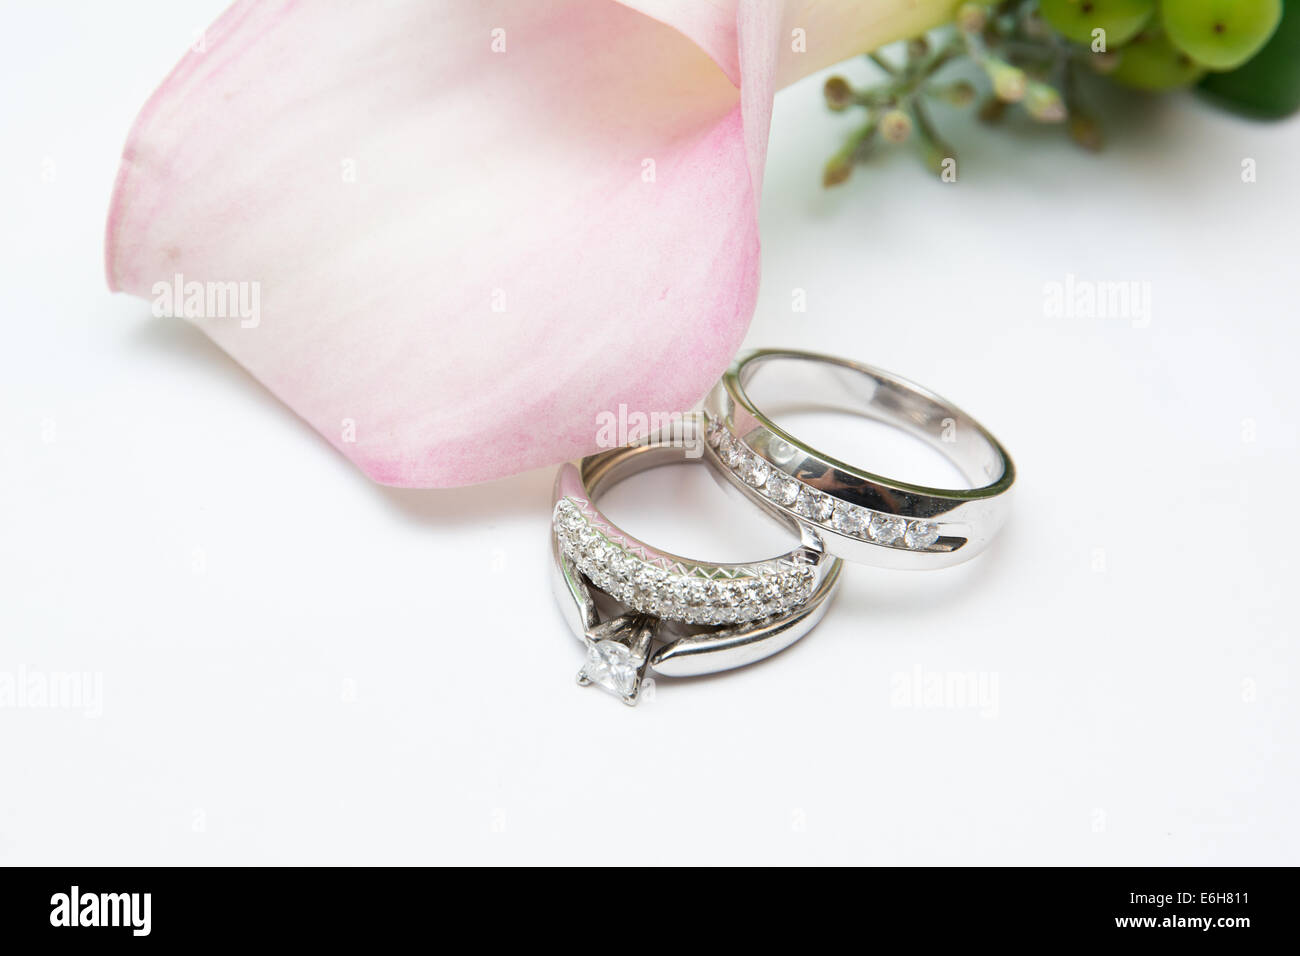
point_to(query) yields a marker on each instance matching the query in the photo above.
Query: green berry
(1152, 63)
(1077, 19)
(1268, 84)
(1220, 34)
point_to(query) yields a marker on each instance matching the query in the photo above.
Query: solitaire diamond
(611, 665)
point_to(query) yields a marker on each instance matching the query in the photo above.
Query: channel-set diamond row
(814, 505)
(682, 592)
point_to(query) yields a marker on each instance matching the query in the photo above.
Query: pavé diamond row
(674, 590)
(817, 506)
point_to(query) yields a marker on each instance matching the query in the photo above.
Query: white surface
(282, 682)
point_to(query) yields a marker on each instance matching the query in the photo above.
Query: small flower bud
(1086, 131)
(1043, 103)
(960, 93)
(917, 47)
(1009, 82)
(895, 126)
(837, 170)
(838, 93)
(1104, 62)
(971, 17)
(993, 110)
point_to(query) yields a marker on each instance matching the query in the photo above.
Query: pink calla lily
(474, 226)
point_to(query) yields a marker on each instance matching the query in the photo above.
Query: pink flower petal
(463, 256)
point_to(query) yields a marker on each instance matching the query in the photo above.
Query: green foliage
(1268, 85)
(1034, 54)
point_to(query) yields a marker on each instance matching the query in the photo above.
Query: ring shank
(857, 514)
(690, 647)
(603, 470)
(586, 480)
(827, 384)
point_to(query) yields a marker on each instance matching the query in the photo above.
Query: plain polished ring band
(856, 514)
(684, 617)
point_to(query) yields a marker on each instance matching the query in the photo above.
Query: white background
(296, 668)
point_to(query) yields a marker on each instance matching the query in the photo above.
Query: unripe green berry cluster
(1033, 54)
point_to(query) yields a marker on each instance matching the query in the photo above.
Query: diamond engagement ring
(677, 616)
(854, 513)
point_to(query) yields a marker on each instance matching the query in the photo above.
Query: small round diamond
(693, 593)
(733, 454)
(815, 505)
(751, 591)
(886, 529)
(782, 489)
(848, 519)
(714, 432)
(754, 470)
(677, 587)
(793, 583)
(567, 517)
(646, 587)
(623, 566)
(921, 534)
